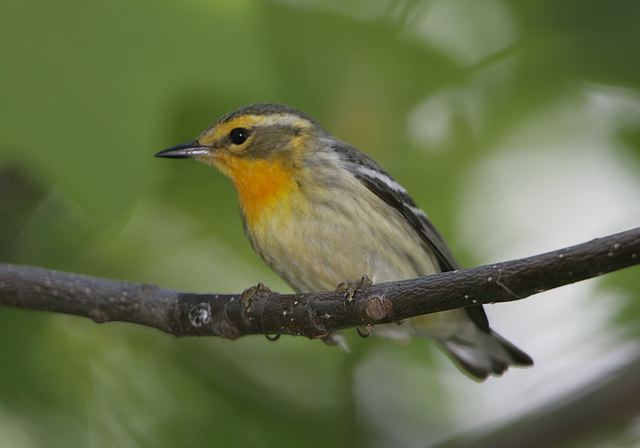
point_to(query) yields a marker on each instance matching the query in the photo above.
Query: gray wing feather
(400, 200)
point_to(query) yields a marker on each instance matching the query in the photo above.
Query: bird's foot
(248, 295)
(364, 331)
(350, 288)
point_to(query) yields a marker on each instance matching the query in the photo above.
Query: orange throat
(262, 185)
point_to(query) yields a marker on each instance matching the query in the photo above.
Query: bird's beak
(187, 150)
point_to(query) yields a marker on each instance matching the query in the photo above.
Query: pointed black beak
(184, 151)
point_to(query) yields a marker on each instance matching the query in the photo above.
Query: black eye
(238, 135)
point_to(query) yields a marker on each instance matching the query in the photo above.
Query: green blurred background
(515, 125)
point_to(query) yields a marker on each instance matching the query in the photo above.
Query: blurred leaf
(19, 195)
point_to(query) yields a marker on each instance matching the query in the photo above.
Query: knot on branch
(98, 315)
(377, 308)
(200, 314)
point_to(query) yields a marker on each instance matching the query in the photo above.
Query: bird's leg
(349, 288)
(247, 298)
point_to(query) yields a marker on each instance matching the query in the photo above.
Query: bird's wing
(379, 182)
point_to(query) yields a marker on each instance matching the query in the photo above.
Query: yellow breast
(261, 184)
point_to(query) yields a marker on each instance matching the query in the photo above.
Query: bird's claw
(364, 330)
(248, 294)
(350, 288)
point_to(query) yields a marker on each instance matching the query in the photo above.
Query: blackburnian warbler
(320, 212)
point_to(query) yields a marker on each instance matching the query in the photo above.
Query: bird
(320, 213)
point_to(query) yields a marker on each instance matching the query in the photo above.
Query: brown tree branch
(261, 311)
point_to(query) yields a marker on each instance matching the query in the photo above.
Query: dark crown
(265, 109)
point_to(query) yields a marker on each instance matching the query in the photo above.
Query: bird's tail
(470, 343)
(484, 354)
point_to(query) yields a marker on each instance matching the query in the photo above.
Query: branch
(261, 311)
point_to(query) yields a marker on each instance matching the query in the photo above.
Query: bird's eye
(238, 135)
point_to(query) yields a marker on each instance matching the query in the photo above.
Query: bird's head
(261, 147)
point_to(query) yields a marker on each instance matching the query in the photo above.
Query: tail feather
(485, 354)
(518, 357)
